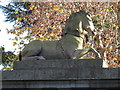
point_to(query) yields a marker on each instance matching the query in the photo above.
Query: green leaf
(16, 38)
(14, 43)
(117, 27)
(107, 25)
(16, 12)
(22, 42)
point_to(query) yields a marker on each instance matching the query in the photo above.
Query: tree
(7, 58)
(14, 10)
(45, 21)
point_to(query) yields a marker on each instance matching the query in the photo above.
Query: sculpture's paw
(40, 57)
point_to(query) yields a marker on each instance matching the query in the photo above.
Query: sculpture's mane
(69, 23)
(81, 13)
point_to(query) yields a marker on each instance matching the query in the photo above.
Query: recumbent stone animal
(70, 46)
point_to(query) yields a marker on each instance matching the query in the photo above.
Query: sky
(4, 36)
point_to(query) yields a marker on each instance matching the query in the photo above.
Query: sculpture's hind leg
(95, 52)
(32, 50)
(81, 52)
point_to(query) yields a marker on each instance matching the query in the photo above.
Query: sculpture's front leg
(81, 52)
(95, 52)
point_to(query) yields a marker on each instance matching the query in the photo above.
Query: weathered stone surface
(104, 84)
(61, 74)
(53, 69)
(18, 75)
(38, 64)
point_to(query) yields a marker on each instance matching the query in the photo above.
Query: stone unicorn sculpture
(70, 46)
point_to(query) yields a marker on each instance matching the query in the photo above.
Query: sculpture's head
(80, 22)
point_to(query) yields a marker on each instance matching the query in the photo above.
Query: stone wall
(84, 73)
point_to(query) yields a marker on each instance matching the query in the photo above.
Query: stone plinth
(84, 73)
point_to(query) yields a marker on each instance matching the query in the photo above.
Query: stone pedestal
(61, 74)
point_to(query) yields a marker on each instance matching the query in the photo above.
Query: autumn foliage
(45, 21)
